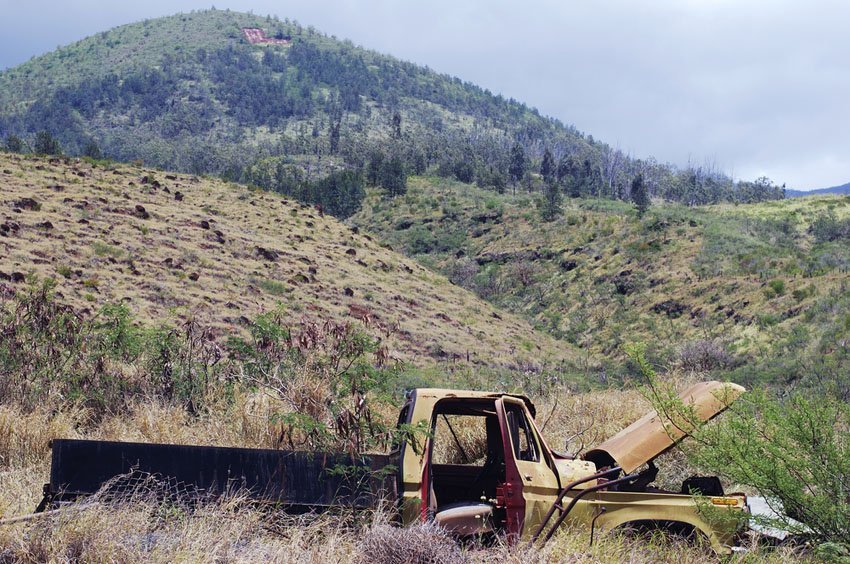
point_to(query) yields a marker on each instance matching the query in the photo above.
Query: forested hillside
(309, 116)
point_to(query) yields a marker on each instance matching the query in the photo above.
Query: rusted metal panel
(81, 467)
(653, 435)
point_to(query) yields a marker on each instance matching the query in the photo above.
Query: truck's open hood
(651, 435)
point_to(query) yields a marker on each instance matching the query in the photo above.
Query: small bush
(778, 287)
(419, 544)
(274, 287)
(801, 294)
(826, 228)
(64, 271)
(767, 320)
(104, 250)
(704, 356)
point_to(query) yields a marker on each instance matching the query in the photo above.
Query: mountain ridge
(842, 189)
(191, 93)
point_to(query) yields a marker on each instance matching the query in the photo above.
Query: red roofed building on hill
(257, 36)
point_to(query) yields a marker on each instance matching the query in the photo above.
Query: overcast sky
(757, 87)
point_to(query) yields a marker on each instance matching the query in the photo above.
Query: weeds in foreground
(318, 376)
(232, 531)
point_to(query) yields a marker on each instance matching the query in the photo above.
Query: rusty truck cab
(483, 467)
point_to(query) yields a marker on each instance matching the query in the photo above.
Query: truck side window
(522, 438)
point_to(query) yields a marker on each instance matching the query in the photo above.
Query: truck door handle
(528, 478)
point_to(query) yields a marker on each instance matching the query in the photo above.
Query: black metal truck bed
(300, 479)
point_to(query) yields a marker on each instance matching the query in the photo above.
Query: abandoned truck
(482, 469)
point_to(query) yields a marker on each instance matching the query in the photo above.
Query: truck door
(529, 475)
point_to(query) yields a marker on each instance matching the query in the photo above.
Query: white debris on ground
(759, 507)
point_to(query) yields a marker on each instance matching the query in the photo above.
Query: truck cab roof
(445, 393)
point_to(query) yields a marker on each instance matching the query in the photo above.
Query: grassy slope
(600, 278)
(232, 271)
(102, 251)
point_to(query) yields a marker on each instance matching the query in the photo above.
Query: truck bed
(298, 480)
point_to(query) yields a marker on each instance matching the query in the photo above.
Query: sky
(751, 87)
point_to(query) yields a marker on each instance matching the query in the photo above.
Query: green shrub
(51, 354)
(778, 287)
(801, 294)
(827, 227)
(767, 320)
(323, 372)
(419, 240)
(274, 287)
(794, 451)
(105, 250)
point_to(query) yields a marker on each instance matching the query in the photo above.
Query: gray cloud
(754, 86)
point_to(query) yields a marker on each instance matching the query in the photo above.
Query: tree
(497, 179)
(518, 164)
(333, 134)
(551, 205)
(565, 167)
(46, 144)
(591, 180)
(340, 193)
(464, 170)
(569, 177)
(92, 150)
(548, 170)
(373, 171)
(640, 197)
(393, 177)
(14, 144)
(396, 126)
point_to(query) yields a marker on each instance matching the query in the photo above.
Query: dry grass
(229, 533)
(24, 437)
(571, 420)
(108, 236)
(232, 531)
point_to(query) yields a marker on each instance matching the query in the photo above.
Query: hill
(196, 93)
(174, 247)
(725, 287)
(843, 189)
